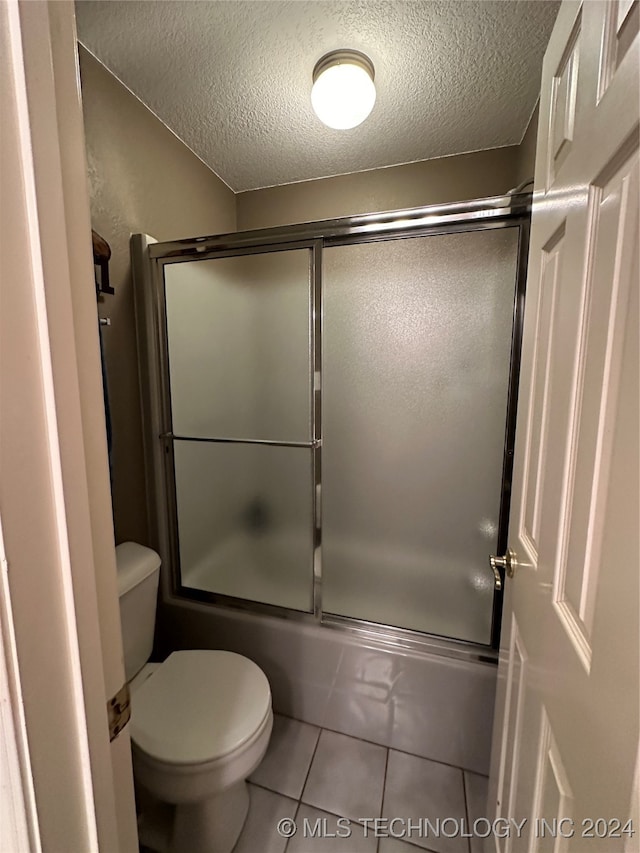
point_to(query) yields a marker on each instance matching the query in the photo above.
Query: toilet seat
(198, 706)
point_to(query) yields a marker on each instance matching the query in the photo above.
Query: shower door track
(497, 212)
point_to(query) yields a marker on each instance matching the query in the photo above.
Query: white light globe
(343, 95)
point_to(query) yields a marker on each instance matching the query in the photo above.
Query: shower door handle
(509, 563)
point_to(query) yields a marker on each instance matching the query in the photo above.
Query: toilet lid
(199, 705)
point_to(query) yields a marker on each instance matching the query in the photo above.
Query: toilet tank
(138, 573)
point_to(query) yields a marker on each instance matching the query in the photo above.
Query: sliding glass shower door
(337, 416)
(416, 355)
(238, 332)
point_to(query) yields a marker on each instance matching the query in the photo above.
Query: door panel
(245, 521)
(538, 424)
(416, 358)
(569, 750)
(596, 388)
(512, 733)
(239, 353)
(553, 799)
(239, 340)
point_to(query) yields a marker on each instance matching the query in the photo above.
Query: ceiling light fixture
(343, 92)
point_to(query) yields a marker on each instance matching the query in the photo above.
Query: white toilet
(200, 721)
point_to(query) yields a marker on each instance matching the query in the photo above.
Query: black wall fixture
(101, 256)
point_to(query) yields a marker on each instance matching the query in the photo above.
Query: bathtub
(436, 704)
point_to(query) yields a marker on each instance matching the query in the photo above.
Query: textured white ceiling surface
(233, 79)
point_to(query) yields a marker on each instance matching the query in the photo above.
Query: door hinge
(119, 711)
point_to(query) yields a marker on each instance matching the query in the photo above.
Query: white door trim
(18, 816)
(60, 578)
(53, 439)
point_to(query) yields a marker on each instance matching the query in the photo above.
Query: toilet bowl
(200, 722)
(200, 725)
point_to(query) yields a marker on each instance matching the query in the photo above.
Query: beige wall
(527, 150)
(466, 176)
(142, 179)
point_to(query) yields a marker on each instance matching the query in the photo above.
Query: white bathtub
(429, 704)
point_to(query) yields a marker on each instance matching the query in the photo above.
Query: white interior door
(566, 729)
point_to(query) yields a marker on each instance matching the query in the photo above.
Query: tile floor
(319, 778)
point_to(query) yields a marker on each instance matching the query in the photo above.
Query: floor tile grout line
(295, 820)
(299, 803)
(385, 746)
(313, 755)
(384, 781)
(280, 793)
(466, 807)
(273, 791)
(325, 811)
(384, 788)
(360, 740)
(411, 844)
(354, 821)
(415, 846)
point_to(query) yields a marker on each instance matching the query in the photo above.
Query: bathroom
(382, 680)
(317, 676)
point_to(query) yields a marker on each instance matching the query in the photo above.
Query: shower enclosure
(330, 416)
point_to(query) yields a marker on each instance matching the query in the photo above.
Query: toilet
(200, 721)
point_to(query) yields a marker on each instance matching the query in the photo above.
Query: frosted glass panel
(417, 336)
(245, 521)
(238, 338)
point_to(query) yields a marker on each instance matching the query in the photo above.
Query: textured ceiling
(233, 79)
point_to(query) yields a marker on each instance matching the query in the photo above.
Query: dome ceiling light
(343, 92)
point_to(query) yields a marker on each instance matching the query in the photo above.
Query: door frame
(58, 598)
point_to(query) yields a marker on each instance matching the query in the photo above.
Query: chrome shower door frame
(151, 318)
